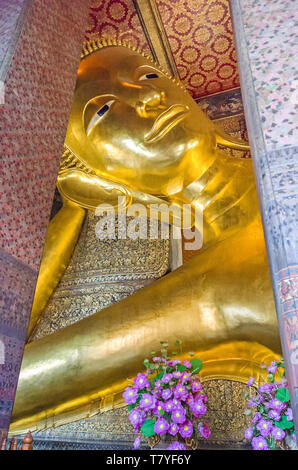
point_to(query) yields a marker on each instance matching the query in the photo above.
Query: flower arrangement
(167, 400)
(272, 421)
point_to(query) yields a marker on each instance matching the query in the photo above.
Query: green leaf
(131, 406)
(197, 365)
(174, 353)
(282, 394)
(148, 428)
(247, 412)
(159, 376)
(284, 423)
(181, 368)
(161, 412)
(191, 353)
(177, 343)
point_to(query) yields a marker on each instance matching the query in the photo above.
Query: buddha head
(134, 124)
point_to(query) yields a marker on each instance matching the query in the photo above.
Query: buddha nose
(149, 99)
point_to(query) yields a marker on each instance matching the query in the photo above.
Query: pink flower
(249, 433)
(204, 430)
(198, 408)
(147, 401)
(130, 395)
(176, 446)
(180, 392)
(137, 443)
(178, 416)
(259, 443)
(278, 433)
(187, 364)
(141, 381)
(250, 382)
(173, 429)
(186, 429)
(161, 426)
(265, 427)
(196, 386)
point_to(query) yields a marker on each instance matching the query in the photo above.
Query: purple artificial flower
(176, 403)
(178, 416)
(147, 401)
(256, 418)
(250, 381)
(204, 430)
(177, 374)
(294, 437)
(141, 381)
(180, 392)
(196, 386)
(130, 395)
(166, 393)
(186, 429)
(253, 401)
(185, 377)
(265, 427)
(189, 399)
(173, 429)
(266, 388)
(277, 405)
(159, 408)
(249, 433)
(158, 384)
(168, 406)
(278, 433)
(272, 369)
(136, 418)
(204, 398)
(198, 408)
(156, 359)
(137, 442)
(176, 446)
(166, 378)
(274, 415)
(259, 443)
(289, 414)
(187, 364)
(161, 426)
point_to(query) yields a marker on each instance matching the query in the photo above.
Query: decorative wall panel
(201, 38)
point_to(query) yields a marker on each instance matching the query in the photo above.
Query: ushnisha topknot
(96, 44)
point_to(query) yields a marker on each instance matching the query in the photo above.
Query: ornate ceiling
(194, 38)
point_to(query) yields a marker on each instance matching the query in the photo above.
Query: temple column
(39, 56)
(265, 34)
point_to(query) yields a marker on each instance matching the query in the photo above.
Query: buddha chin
(133, 128)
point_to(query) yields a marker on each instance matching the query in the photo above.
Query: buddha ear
(226, 140)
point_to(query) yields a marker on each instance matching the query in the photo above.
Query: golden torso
(135, 132)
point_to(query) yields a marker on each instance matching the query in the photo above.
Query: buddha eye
(149, 76)
(99, 115)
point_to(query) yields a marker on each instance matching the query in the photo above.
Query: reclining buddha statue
(134, 131)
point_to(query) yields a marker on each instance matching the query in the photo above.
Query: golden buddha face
(133, 124)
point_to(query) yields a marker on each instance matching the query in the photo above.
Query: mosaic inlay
(271, 38)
